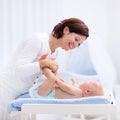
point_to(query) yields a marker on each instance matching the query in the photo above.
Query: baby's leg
(45, 88)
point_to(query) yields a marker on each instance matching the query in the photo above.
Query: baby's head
(92, 88)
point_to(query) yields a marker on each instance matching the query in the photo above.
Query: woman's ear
(66, 30)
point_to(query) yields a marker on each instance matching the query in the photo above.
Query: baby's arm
(70, 89)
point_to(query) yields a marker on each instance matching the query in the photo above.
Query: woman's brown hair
(74, 24)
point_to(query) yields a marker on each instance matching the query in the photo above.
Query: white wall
(113, 40)
(93, 12)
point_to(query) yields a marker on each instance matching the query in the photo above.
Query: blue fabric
(16, 104)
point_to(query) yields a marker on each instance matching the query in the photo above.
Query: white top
(24, 67)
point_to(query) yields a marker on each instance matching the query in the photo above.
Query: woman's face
(71, 40)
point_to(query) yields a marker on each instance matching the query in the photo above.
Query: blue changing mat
(16, 104)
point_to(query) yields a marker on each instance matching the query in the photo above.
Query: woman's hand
(50, 63)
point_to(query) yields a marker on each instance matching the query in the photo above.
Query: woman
(26, 65)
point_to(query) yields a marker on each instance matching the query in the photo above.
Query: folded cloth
(16, 104)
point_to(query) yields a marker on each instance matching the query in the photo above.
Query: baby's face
(92, 88)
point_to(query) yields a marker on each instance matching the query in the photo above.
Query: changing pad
(16, 104)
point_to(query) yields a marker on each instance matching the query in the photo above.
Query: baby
(61, 90)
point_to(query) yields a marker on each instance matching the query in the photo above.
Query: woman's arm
(26, 61)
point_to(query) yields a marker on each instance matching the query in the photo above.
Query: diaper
(33, 92)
